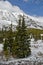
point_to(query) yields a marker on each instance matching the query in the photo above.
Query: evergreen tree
(6, 49)
(10, 39)
(17, 40)
(21, 45)
(8, 44)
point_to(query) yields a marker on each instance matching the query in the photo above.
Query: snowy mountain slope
(12, 13)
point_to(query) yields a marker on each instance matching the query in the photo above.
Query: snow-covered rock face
(9, 13)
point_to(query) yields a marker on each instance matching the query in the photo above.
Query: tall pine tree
(21, 45)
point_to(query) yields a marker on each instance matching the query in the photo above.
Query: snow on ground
(1, 47)
(36, 52)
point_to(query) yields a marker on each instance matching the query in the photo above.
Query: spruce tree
(21, 45)
(6, 47)
(17, 40)
(8, 44)
(10, 39)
